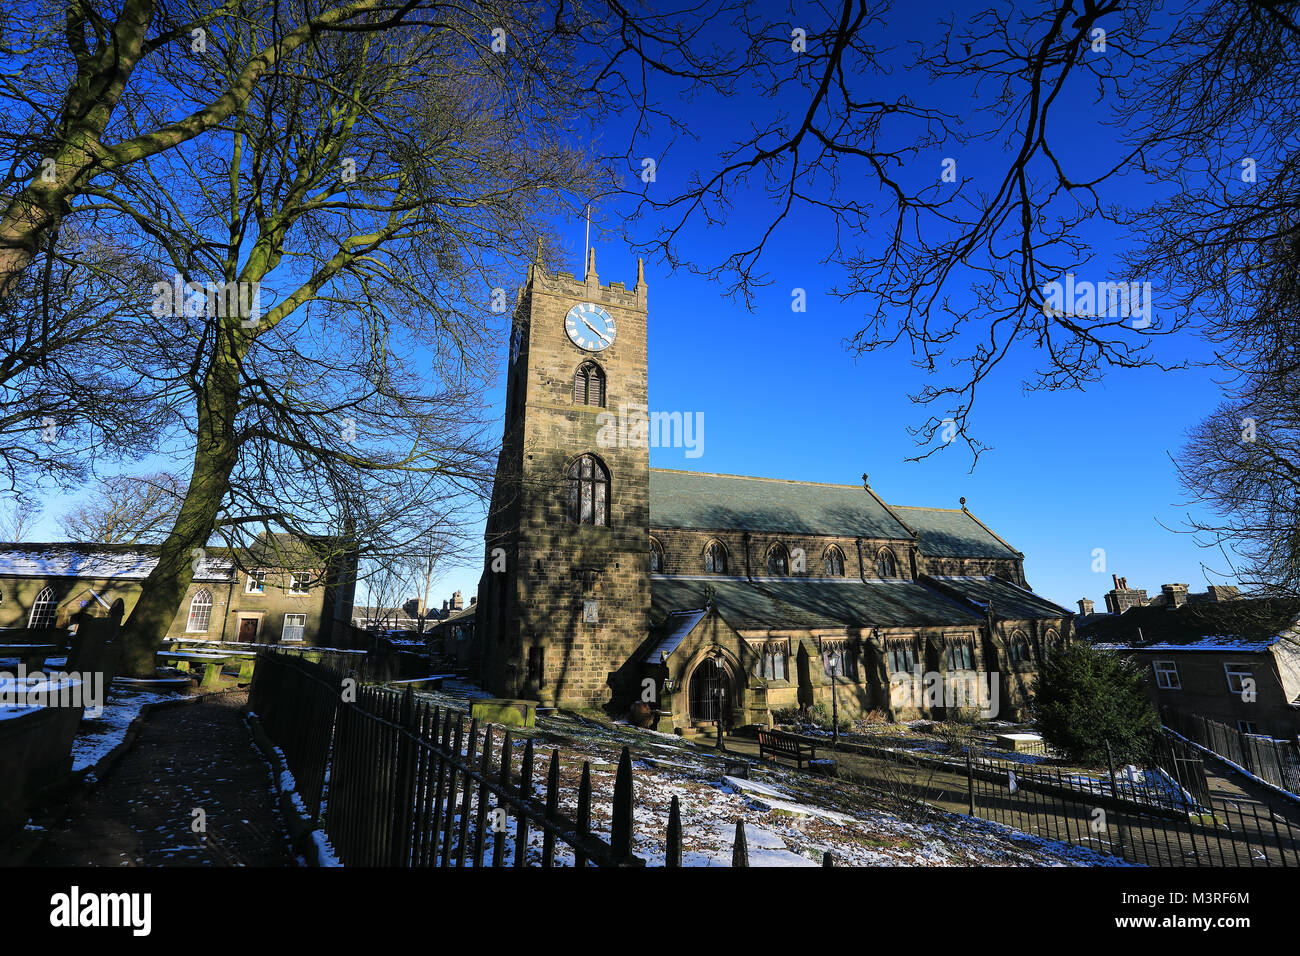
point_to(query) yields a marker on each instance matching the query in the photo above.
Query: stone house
(717, 597)
(1235, 662)
(279, 590)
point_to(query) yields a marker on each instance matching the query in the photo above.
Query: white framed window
(1167, 675)
(42, 616)
(300, 582)
(256, 582)
(294, 626)
(200, 611)
(1237, 674)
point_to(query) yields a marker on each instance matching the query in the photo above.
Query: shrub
(1085, 697)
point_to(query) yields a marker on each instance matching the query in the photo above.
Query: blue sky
(780, 395)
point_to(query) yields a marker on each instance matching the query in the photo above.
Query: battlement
(590, 287)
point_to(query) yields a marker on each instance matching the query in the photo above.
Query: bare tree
(958, 268)
(73, 390)
(366, 208)
(127, 509)
(72, 71)
(17, 516)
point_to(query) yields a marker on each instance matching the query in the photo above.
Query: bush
(785, 715)
(1085, 697)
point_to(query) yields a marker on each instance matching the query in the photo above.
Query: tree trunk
(215, 455)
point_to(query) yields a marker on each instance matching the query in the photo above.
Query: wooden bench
(785, 745)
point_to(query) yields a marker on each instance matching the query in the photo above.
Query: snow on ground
(96, 737)
(791, 817)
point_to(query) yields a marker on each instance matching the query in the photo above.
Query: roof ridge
(786, 481)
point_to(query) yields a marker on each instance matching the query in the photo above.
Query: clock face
(590, 327)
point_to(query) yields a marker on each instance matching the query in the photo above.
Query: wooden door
(247, 630)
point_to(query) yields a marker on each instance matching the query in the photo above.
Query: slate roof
(1010, 602)
(1216, 642)
(817, 603)
(65, 560)
(684, 499)
(675, 630)
(70, 559)
(1243, 624)
(949, 533)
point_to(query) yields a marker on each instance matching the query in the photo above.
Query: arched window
(1051, 644)
(1019, 648)
(42, 617)
(834, 562)
(778, 561)
(715, 558)
(589, 385)
(588, 492)
(656, 557)
(886, 566)
(200, 611)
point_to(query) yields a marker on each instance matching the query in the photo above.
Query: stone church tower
(565, 593)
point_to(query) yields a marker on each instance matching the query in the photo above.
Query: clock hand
(601, 335)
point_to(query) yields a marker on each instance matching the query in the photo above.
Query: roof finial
(962, 499)
(591, 264)
(640, 273)
(865, 482)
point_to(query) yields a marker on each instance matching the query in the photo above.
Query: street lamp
(835, 709)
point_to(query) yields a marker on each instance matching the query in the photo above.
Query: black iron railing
(1276, 761)
(412, 784)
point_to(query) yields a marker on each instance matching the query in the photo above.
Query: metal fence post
(970, 784)
(673, 842)
(621, 827)
(739, 847)
(1114, 792)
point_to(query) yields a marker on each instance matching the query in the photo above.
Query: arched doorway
(709, 682)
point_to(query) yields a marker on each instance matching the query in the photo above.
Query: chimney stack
(1122, 597)
(1175, 594)
(1222, 592)
(1085, 606)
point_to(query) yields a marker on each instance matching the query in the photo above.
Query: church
(720, 598)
